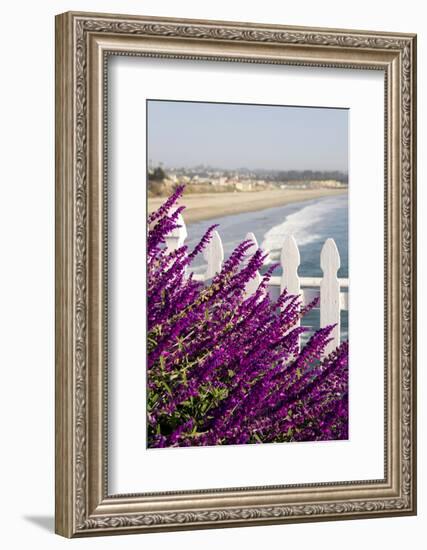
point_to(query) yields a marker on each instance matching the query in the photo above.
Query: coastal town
(213, 192)
(202, 179)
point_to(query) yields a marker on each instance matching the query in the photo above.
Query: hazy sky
(253, 136)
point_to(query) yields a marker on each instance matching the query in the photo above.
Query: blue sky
(253, 136)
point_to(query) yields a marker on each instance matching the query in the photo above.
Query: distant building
(328, 184)
(313, 184)
(243, 186)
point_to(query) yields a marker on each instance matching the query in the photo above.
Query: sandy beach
(213, 205)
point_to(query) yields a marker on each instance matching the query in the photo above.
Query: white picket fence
(331, 290)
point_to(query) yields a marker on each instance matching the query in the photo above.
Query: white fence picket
(330, 291)
(290, 261)
(214, 255)
(253, 284)
(176, 238)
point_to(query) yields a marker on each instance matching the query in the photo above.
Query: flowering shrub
(226, 368)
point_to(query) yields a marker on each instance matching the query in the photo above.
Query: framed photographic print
(235, 274)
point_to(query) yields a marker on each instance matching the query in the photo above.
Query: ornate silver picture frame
(84, 43)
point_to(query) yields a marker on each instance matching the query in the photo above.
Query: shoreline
(206, 206)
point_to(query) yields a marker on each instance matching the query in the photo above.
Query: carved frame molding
(83, 43)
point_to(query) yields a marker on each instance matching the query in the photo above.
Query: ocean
(311, 223)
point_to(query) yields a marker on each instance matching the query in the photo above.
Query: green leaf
(167, 387)
(257, 437)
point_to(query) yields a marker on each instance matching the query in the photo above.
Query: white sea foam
(301, 224)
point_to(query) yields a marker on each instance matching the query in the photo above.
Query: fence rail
(331, 290)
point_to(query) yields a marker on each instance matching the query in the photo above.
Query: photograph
(247, 273)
